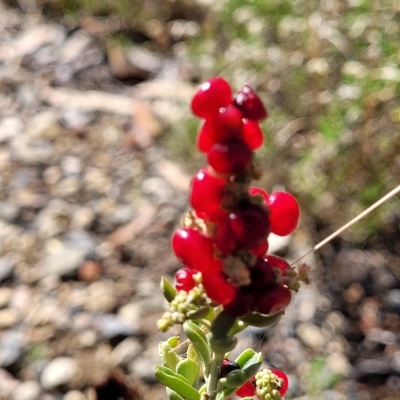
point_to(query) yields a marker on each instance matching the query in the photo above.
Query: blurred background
(97, 147)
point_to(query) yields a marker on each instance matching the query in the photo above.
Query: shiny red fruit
(272, 300)
(206, 137)
(184, 279)
(248, 389)
(225, 238)
(278, 262)
(210, 97)
(230, 157)
(193, 249)
(250, 104)
(206, 195)
(250, 225)
(261, 249)
(282, 375)
(252, 134)
(284, 213)
(262, 275)
(242, 304)
(218, 289)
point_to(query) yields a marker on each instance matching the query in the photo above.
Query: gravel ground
(87, 206)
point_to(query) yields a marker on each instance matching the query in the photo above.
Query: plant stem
(213, 377)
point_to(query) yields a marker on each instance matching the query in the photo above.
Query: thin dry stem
(353, 221)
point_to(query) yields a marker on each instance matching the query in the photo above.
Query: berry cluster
(225, 235)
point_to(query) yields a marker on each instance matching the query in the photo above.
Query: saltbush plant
(228, 280)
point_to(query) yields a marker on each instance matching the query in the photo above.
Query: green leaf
(168, 355)
(223, 345)
(174, 341)
(245, 356)
(199, 341)
(222, 325)
(260, 320)
(176, 382)
(199, 314)
(189, 369)
(172, 395)
(167, 289)
(234, 379)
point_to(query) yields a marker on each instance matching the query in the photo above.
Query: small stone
(5, 295)
(10, 348)
(75, 395)
(6, 268)
(28, 390)
(368, 368)
(88, 338)
(395, 363)
(90, 271)
(338, 364)
(71, 165)
(381, 336)
(58, 372)
(158, 190)
(393, 298)
(101, 296)
(10, 127)
(63, 262)
(8, 318)
(131, 313)
(111, 326)
(9, 211)
(126, 351)
(311, 335)
(7, 383)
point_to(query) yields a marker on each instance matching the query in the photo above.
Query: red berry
(258, 191)
(262, 275)
(278, 262)
(225, 238)
(252, 134)
(248, 389)
(242, 304)
(250, 225)
(193, 249)
(230, 157)
(282, 375)
(210, 97)
(284, 213)
(273, 300)
(250, 104)
(228, 122)
(206, 136)
(228, 366)
(261, 249)
(218, 289)
(184, 279)
(206, 195)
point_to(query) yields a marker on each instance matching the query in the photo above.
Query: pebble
(5, 295)
(126, 351)
(11, 346)
(63, 262)
(7, 383)
(74, 395)
(8, 318)
(111, 326)
(395, 363)
(9, 211)
(338, 363)
(6, 268)
(58, 372)
(28, 390)
(131, 313)
(311, 335)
